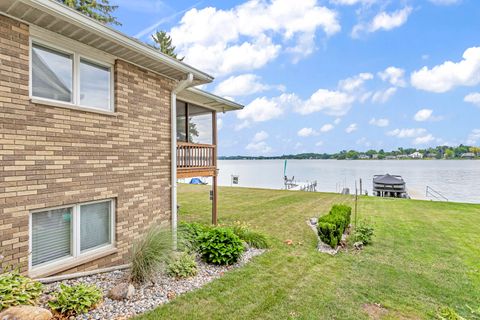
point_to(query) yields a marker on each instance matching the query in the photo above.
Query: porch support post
(214, 178)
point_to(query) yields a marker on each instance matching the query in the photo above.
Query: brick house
(89, 124)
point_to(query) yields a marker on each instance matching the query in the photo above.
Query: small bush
(332, 225)
(149, 253)
(188, 234)
(252, 238)
(182, 265)
(74, 300)
(447, 313)
(364, 233)
(220, 246)
(16, 289)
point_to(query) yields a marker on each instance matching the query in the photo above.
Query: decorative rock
(171, 295)
(358, 245)
(313, 221)
(26, 313)
(122, 291)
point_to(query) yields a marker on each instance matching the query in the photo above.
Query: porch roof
(56, 17)
(208, 100)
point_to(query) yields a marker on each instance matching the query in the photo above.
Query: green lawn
(425, 255)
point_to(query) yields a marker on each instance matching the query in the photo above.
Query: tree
(475, 150)
(449, 154)
(99, 10)
(163, 42)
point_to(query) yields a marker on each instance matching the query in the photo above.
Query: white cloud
(258, 143)
(224, 41)
(260, 136)
(333, 103)
(259, 147)
(445, 2)
(382, 122)
(327, 127)
(423, 115)
(219, 124)
(242, 125)
(353, 2)
(446, 76)
(264, 109)
(351, 128)
(424, 139)
(364, 142)
(337, 121)
(473, 97)
(355, 82)
(383, 21)
(407, 133)
(306, 132)
(319, 143)
(393, 75)
(474, 136)
(383, 96)
(241, 85)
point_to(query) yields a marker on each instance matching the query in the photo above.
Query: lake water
(458, 180)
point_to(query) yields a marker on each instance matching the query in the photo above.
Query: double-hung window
(68, 233)
(70, 79)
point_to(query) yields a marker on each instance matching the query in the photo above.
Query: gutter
(179, 87)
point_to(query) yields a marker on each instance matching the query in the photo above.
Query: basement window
(64, 234)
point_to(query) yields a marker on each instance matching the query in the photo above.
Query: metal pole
(356, 202)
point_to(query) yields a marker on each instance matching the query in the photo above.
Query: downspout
(181, 85)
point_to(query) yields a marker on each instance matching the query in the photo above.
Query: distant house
(431, 155)
(391, 157)
(402, 156)
(468, 155)
(416, 155)
(363, 157)
(375, 156)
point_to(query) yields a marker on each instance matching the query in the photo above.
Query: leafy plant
(220, 246)
(332, 225)
(77, 299)
(188, 234)
(182, 265)
(447, 313)
(16, 289)
(364, 233)
(149, 252)
(252, 238)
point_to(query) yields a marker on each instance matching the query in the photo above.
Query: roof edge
(62, 11)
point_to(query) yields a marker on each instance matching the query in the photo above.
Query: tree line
(439, 152)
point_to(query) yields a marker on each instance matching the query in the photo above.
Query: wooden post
(361, 186)
(214, 183)
(356, 201)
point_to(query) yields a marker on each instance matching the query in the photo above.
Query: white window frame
(78, 51)
(76, 256)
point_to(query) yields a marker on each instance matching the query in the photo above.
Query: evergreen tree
(99, 10)
(163, 42)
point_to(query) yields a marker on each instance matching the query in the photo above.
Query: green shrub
(188, 233)
(182, 265)
(220, 246)
(16, 289)
(364, 233)
(252, 238)
(74, 300)
(332, 225)
(148, 254)
(447, 313)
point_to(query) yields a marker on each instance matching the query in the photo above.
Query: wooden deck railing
(195, 156)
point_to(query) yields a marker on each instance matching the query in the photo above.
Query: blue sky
(322, 76)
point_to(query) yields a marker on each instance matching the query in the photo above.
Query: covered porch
(197, 136)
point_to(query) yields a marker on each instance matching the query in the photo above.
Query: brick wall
(54, 156)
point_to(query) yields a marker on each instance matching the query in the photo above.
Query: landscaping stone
(358, 245)
(150, 295)
(26, 313)
(122, 291)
